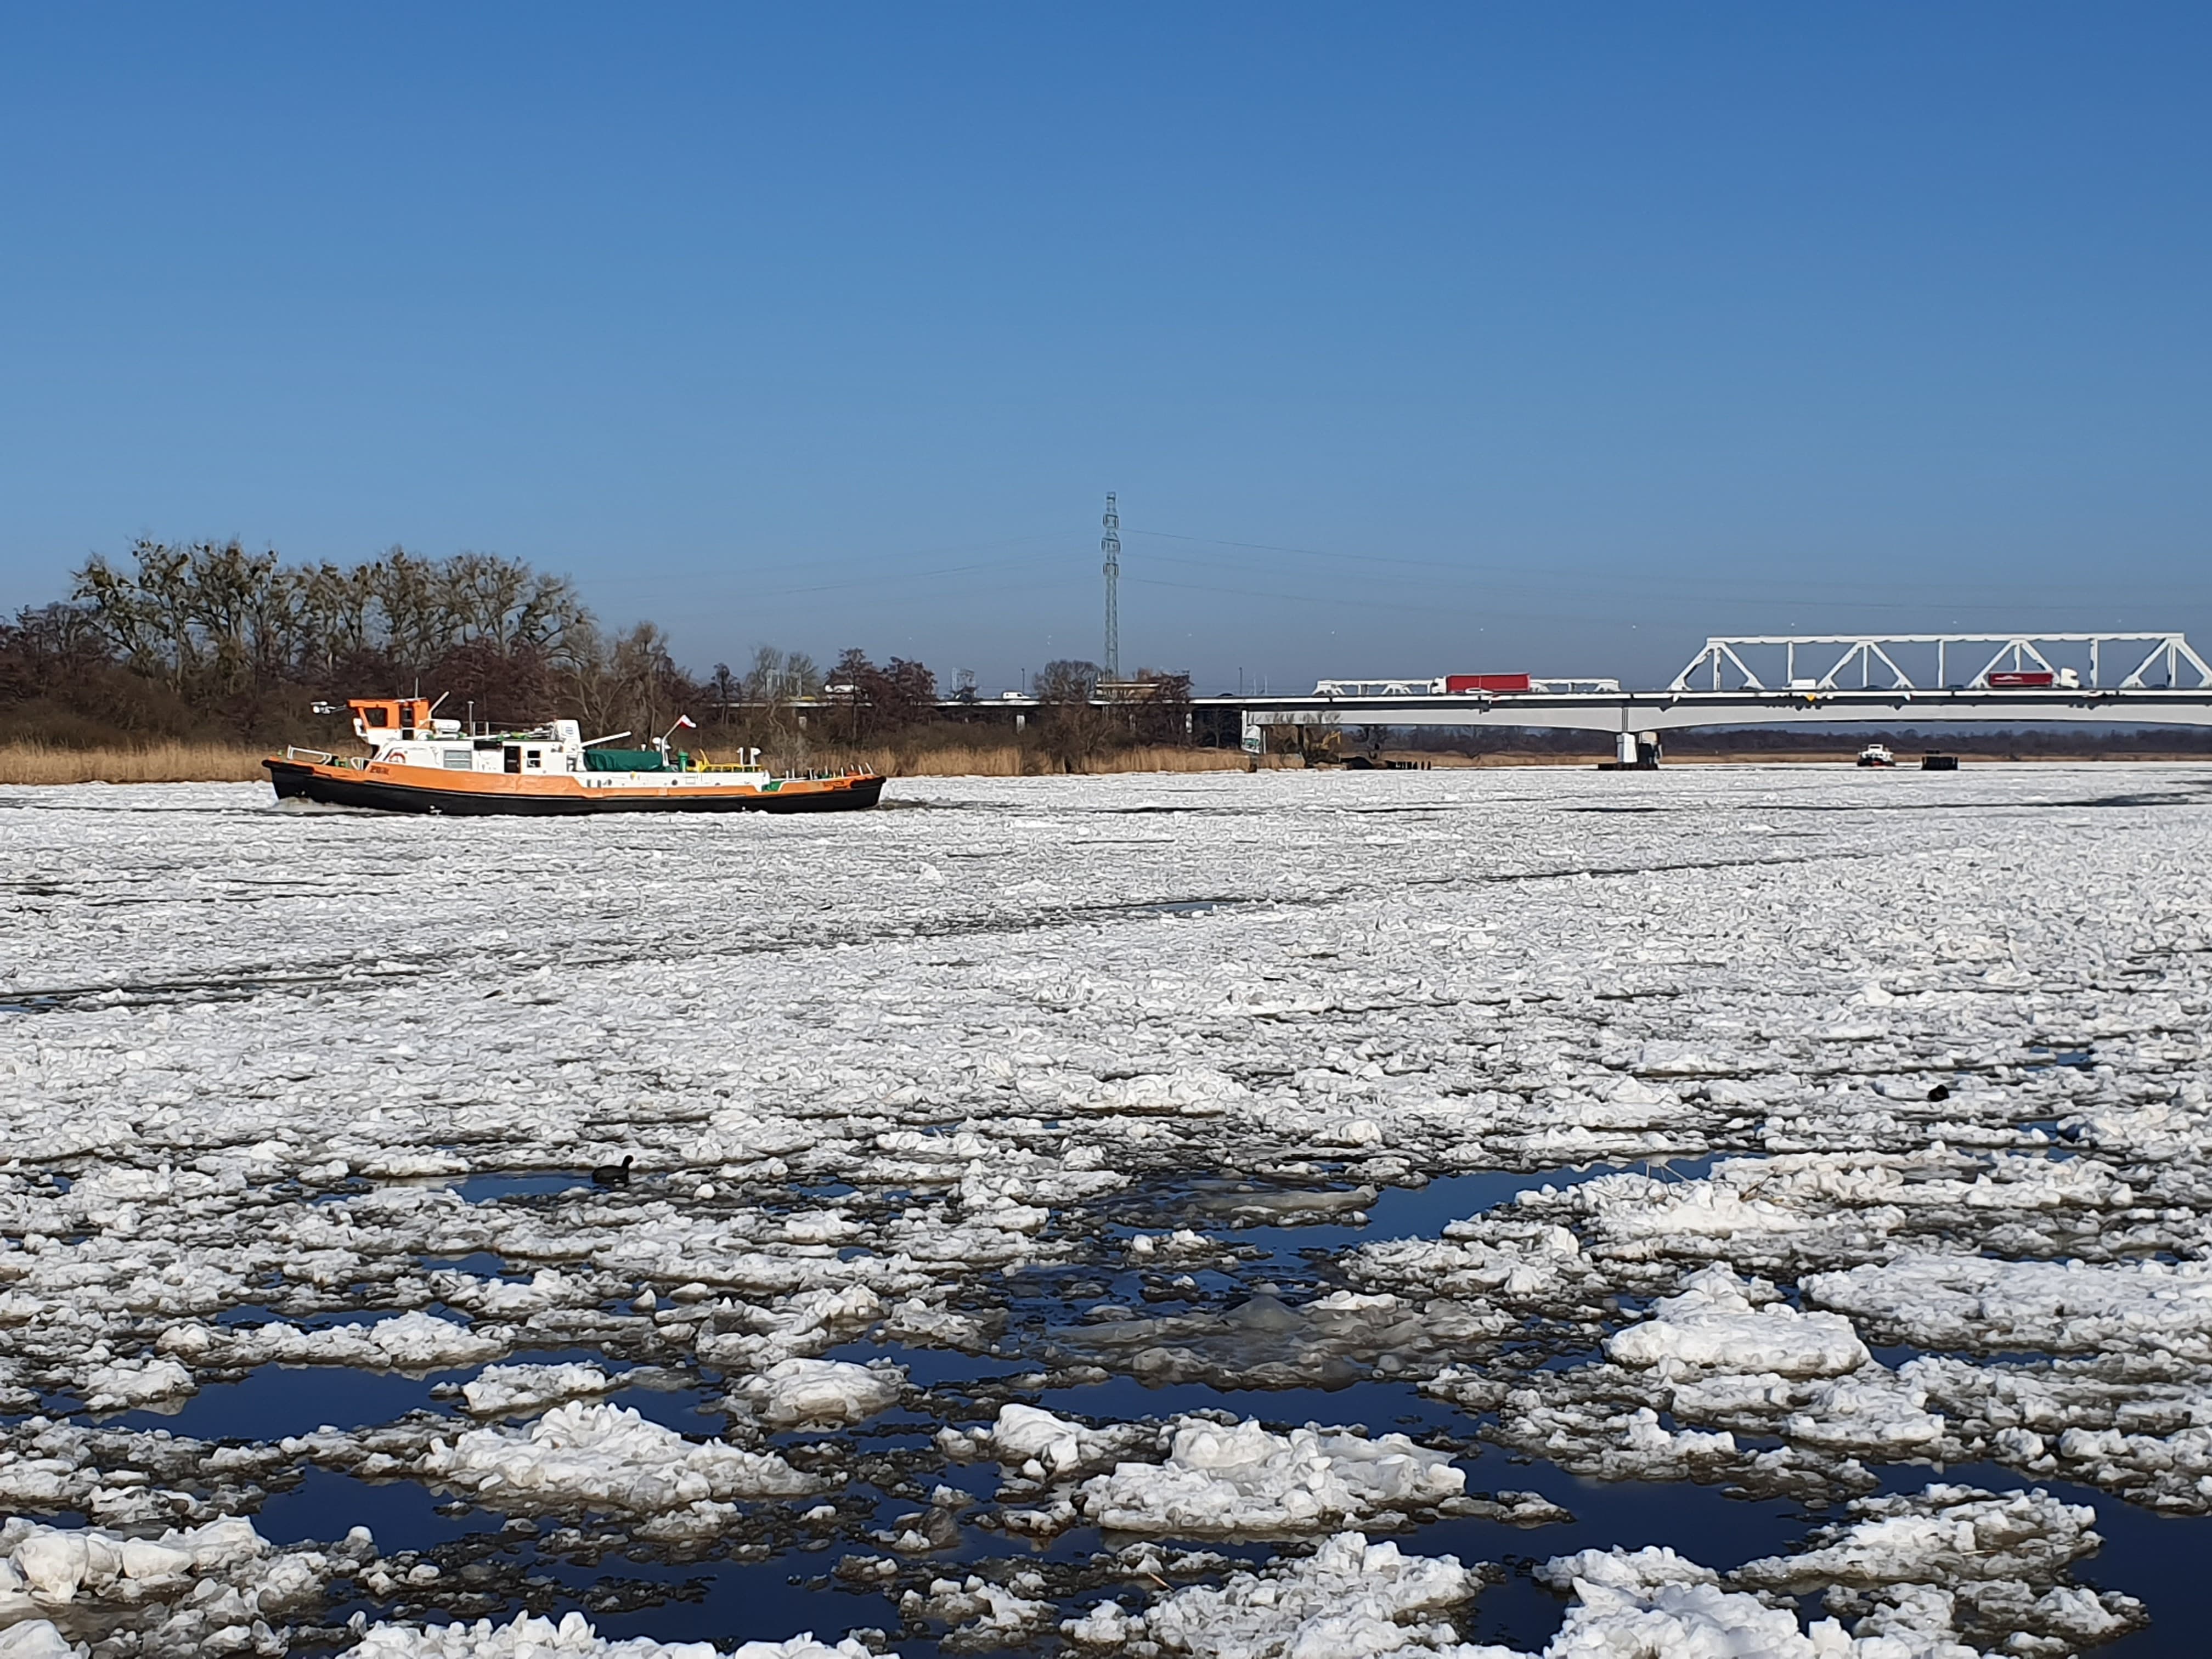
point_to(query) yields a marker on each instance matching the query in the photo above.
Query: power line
(1938, 595)
(1741, 596)
(1319, 552)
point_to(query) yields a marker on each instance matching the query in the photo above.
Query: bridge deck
(1668, 711)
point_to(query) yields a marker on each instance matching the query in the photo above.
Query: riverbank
(209, 762)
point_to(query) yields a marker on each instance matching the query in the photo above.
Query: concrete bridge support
(1637, 752)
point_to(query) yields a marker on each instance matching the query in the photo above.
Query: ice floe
(499, 1390)
(1712, 1324)
(1982, 1303)
(1245, 1481)
(830, 1391)
(1350, 1599)
(573, 1638)
(217, 1588)
(609, 1457)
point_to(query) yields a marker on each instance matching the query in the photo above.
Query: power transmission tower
(1110, 544)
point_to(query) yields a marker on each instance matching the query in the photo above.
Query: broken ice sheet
(870, 1109)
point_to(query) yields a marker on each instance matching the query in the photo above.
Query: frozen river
(1736, 1211)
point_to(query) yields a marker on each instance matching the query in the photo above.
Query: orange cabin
(380, 720)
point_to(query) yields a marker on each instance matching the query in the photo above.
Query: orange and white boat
(419, 763)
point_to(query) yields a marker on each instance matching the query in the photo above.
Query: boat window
(378, 715)
(537, 758)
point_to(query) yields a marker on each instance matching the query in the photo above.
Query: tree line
(208, 639)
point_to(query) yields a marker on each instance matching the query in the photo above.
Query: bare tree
(335, 610)
(771, 685)
(1158, 709)
(629, 682)
(1074, 730)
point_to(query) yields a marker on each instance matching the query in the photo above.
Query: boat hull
(379, 790)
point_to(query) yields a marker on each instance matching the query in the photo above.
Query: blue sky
(1415, 339)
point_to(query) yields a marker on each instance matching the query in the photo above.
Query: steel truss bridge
(2168, 660)
(2126, 679)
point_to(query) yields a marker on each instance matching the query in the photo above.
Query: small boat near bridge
(419, 763)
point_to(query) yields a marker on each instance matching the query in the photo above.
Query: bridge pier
(1635, 752)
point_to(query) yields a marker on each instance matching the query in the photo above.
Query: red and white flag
(685, 723)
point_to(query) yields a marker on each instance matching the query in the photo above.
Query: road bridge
(2128, 679)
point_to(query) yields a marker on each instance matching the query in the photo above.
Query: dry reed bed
(155, 763)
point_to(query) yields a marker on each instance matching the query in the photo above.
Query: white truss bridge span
(2072, 659)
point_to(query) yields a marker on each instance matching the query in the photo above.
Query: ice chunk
(1245, 1480)
(573, 1638)
(606, 1455)
(179, 1593)
(820, 1391)
(1043, 1447)
(1349, 1600)
(803, 1323)
(1984, 1303)
(37, 1639)
(1923, 1567)
(1711, 1324)
(988, 1613)
(499, 1389)
(1941, 1534)
(1620, 1569)
(131, 1383)
(1872, 1411)
(1677, 1619)
(415, 1341)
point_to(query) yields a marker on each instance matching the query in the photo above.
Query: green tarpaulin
(634, 760)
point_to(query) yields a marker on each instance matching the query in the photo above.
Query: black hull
(294, 782)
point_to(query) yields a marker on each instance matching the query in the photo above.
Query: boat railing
(815, 775)
(322, 758)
